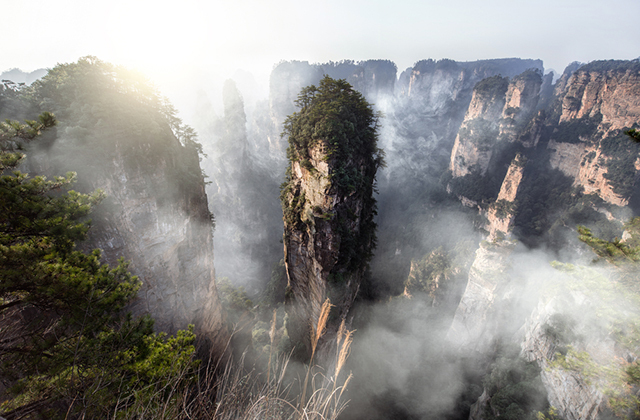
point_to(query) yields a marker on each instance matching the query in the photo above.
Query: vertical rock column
(328, 204)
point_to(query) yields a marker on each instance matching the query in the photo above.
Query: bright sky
(173, 42)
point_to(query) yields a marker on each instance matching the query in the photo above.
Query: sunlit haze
(175, 42)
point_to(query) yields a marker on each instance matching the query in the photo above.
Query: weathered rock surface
(497, 109)
(328, 205)
(605, 98)
(568, 391)
(500, 216)
(114, 134)
(162, 225)
(475, 324)
(313, 247)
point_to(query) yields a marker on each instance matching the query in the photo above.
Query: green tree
(66, 348)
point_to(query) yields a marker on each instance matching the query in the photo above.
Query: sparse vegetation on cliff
(341, 123)
(492, 87)
(612, 297)
(576, 130)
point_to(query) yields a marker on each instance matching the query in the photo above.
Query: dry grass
(234, 392)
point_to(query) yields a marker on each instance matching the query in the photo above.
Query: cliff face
(434, 99)
(498, 108)
(570, 391)
(604, 99)
(572, 135)
(155, 213)
(313, 245)
(574, 139)
(500, 215)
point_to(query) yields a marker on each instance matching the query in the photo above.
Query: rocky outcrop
(570, 392)
(328, 206)
(501, 214)
(474, 143)
(326, 226)
(598, 102)
(160, 223)
(372, 78)
(476, 321)
(498, 109)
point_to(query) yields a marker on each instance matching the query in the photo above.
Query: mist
(447, 310)
(416, 354)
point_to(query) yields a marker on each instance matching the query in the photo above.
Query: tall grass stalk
(233, 392)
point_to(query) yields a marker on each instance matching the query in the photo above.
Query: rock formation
(476, 322)
(328, 204)
(498, 109)
(578, 133)
(600, 100)
(500, 215)
(155, 215)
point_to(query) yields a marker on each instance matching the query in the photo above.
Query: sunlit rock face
(500, 216)
(598, 102)
(328, 206)
(497, 111)
(315, 246)
(578, 134)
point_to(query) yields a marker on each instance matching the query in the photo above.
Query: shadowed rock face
(155, 214)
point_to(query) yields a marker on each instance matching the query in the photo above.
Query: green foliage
(476, 187)
(504, 208)
(430, 276)
(106, 109)
(633, 134)
(514, 387)
(492, 87)
(613, 299)
(615, 252)
(344, 122)
(529, 75)
(234, 299)
(611, 65)
(65, 346)
(10, 130)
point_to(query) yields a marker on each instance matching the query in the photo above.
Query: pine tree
(66, 348)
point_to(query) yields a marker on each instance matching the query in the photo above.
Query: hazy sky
(177, 40)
